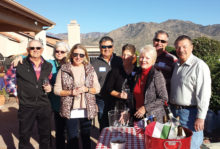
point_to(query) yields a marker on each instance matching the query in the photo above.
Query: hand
(124, 117)
(140, 112)
(199, 124)
(47, 88)
(17, 60)
(123, 95)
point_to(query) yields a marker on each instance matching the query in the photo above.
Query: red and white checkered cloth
(133, 140)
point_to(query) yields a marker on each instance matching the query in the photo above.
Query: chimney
(73, 33)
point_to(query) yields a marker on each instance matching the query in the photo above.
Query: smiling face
(78, 57)
(35, 49)
(127, 57)
(106, 49)
(60, 53)
(146, 59)
(160, 43)
(184, 49)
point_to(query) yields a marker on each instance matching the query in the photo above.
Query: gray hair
(149, 49)
(161, 32)
(34, 40)
(61, 44)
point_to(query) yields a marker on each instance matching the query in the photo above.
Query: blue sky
(105, 16)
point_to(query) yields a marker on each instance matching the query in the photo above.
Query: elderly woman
(77, 84)
(60, 53)
(150, 89)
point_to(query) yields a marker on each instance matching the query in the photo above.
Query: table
(133, 140)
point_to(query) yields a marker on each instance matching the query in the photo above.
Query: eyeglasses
(158, 40)
(80, 55)
(62, 52)
(109, 47)
(32, 48)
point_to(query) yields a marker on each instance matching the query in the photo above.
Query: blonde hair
(149, 49)
(78, 46)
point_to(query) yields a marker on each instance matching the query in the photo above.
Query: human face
(107, 49)
(77, 59)
(35, 49)
(184, 49)
(160, 47)
(127, 57)
(146, 60)
(60, 53)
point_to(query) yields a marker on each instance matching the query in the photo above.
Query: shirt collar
(188, 61)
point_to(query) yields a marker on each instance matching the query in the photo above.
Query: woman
(150, 88)
(77, 84)
(60, 53)
(121, 81)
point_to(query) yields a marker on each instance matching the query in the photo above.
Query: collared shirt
(10, 77)
(191, 85)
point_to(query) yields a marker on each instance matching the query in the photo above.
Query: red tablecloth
(133, 139)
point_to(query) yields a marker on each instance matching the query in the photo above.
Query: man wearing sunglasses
(103, 64)
(165, 61)
(34, 104)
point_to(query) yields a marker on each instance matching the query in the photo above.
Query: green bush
(209, 50)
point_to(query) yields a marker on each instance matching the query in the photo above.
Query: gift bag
(152, 142)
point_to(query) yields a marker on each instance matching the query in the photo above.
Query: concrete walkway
(9, 130)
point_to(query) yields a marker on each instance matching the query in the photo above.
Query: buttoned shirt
(191, 85)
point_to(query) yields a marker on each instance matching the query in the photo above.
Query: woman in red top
(150, 91)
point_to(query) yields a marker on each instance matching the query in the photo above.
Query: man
(165, 61)
(190, 89)
(103, 64)
(32, 95)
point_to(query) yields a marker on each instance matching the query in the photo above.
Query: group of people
(80, 89)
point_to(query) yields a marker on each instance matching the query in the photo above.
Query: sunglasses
(32, 48)
(62, 52)
(158, 40)
(80, 55)
(104, 47)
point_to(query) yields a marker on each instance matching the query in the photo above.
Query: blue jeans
(76, 125)
(100, 103)
(187, 119)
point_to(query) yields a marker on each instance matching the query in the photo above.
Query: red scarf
(139, 88)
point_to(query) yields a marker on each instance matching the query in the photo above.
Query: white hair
(149, 49)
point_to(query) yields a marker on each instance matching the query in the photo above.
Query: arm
(10, 81)
(160, 91)
(58, 87)
(203, 94)
(96, 86)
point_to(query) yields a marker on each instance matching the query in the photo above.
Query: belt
(182, 107)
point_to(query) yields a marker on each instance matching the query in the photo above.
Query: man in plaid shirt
(26, 82)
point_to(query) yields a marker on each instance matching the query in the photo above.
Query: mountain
(142, 33)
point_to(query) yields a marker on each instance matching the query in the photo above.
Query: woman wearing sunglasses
(77, 84)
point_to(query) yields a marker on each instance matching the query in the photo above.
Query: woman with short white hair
(150, 91)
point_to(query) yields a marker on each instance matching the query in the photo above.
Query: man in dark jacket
(30, 79)
(103, 64)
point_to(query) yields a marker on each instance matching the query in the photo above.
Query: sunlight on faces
(160, 47)
(184, 49)
(60, 53)
(127, 57)
(78, 60)
(35, 53)
(107, 52)
(146, 59)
